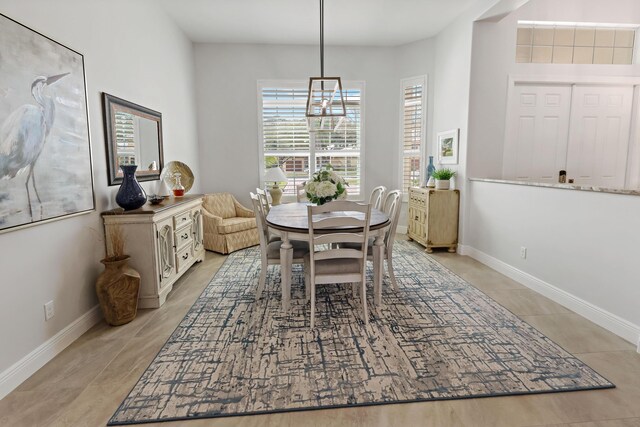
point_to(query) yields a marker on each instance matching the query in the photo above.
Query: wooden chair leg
(392, 276)
(354, 289)
(261, 283)
(363, 298)
(313, 304)
(307, 283)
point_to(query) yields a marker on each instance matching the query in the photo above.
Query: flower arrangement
(325, 186)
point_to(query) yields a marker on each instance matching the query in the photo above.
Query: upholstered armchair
(228, 226)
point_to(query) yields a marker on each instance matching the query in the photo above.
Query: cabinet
(163, 242)
(433, 217)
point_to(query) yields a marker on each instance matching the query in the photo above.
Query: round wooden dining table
(291, 222)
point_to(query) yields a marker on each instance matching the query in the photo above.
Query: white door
(599, 135)
(535, 146)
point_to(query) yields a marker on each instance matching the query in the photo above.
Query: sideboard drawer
(183, 237)
(182, 219)
(184, 257)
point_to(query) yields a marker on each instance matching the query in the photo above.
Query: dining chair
(392, 205)
(264, 199)
(301, 193)
(270, 250)
(326, 263)
(272, 235)
(377, 196)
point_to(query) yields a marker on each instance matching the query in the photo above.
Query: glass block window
(572, 43)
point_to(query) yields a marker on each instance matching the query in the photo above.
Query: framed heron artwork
(45, 152)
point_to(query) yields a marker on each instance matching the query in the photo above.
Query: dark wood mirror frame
(109, 103)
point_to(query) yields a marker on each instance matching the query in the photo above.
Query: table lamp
(275, 175)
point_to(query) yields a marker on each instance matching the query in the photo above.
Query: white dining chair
(270, 250)
(301, 193)
(272, 235)
(392, 206)
(326, 264)
(264, 199)
(377, 196)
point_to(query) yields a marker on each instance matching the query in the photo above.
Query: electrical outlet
(49, 310)
(523, 252)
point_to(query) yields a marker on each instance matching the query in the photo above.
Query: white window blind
(125, 138)
(287, 143)
(412, 138)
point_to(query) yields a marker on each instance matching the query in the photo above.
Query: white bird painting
(24, 132)
(45, 158)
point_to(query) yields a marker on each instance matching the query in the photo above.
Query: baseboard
(597, 315)
(28, 365)
(402, 229)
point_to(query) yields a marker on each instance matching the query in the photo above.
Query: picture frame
(46, 171)
(448, 147)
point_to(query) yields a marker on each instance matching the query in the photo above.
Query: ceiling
(347, 22)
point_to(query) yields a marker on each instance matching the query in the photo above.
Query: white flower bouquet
(325, 186)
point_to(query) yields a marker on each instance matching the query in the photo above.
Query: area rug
(437, 338)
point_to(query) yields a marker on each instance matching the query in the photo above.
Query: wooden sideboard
(163, 241)
(433, 217)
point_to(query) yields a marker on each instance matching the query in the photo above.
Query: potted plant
(443, 177)
(118, 285)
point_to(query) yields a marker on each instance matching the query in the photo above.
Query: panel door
(599, 136)
(537, 128)
(166, 250)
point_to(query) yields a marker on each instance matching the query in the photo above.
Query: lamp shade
(275, 175)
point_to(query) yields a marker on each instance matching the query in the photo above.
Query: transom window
(286, 142)
(575, 43)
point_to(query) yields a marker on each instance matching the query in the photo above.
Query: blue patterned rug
(438, 338)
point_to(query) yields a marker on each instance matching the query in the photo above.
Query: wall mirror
(133, 135)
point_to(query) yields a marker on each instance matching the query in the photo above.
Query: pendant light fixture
(325, 101)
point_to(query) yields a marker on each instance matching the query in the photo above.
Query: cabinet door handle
(416, 218)
(185, 256)
(185, 236)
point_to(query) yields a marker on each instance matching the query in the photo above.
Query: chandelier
(325, 101)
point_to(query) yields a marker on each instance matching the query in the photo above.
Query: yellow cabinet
(433, 217)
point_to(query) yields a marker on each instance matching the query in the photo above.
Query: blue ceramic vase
(130, 195)
(430, 168)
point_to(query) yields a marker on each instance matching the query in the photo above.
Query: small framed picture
(448, 147)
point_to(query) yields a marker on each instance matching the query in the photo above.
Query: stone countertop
(578, 187)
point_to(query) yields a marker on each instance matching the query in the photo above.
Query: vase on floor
(117, 288)
(130, 194)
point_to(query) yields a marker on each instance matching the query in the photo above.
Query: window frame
(422, 152)
(304, 84)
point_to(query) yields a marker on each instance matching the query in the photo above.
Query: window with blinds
(125, 138)
(412, 132)
(287, 143)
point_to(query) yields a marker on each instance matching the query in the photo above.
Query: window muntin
(574, 43)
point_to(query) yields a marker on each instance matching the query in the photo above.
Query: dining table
(292, 223)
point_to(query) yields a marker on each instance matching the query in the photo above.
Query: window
(575, 43)
(286, 142)
(412, 131)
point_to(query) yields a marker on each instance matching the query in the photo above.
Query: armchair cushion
(233, 225)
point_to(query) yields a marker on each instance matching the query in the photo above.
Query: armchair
(228, 226)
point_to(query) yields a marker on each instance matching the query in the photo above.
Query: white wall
(140, 56)
(451, 90)
(227, 99)
(581, 243)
